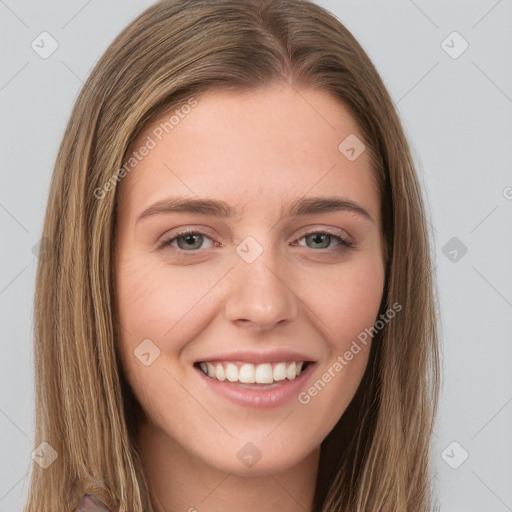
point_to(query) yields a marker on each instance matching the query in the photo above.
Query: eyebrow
(219, 208)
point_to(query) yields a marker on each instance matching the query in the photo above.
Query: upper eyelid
(185, 231)
(201, 229)
(339, 232)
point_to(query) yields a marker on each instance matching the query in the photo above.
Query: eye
(323, 240)
(188, 241)
(191, 241)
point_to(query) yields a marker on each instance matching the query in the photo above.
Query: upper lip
(275, 356)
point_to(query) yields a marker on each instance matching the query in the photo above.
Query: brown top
(91, 503)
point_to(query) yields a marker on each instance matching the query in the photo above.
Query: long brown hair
(377, 456)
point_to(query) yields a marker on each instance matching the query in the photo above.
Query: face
(248, 261)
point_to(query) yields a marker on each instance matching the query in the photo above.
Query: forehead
(271, 143)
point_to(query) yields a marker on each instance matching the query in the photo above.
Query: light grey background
(457, 113)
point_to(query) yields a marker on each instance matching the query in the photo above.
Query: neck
(179, 482)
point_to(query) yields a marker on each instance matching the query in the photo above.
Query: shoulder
(91, 503)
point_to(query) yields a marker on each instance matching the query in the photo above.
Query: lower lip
(260, 398)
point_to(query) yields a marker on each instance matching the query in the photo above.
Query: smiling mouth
(248, 373)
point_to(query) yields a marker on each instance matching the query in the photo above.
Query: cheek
(346, 304)
(152, 299)
(168, 306)
(157, 305)
(346, 300)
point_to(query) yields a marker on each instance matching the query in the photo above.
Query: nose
(260, 294)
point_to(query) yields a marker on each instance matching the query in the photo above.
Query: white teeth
(264, 374)
(280, 371)
(247, 373)
(220, 374)
(232, 372)
(210, 369)
(291, 371)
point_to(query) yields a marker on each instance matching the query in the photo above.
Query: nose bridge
(259, 292)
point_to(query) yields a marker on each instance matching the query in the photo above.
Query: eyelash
(345, 244)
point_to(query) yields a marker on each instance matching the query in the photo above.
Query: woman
(238, 312)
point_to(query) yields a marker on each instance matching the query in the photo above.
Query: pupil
(190, 241)
(317, 239)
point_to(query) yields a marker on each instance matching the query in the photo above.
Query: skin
(257, 151)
